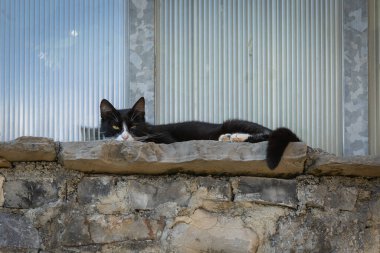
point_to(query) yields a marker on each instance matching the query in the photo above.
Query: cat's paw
(225, 137)
(239, 137)
(234, 137)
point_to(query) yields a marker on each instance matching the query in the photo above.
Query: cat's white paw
(239, 137)
(225, 137)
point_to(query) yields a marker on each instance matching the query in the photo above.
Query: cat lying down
(130, 125)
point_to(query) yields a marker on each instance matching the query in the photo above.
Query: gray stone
(175, 191)
(4, 163)
(328, 193)
(76, 229)
(208, 232)
(217, 189)
(29, 193)
(325, 164)
(142, 195)
(266, 190)
(122, 196)
(148, 196)
(17, 232)
(196, 157)
(115, 228)
(28, 149)
(342, 198)
(310, 192)
(91, 189)
(320, 231)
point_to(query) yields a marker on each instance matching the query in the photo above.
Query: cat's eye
(116, 127)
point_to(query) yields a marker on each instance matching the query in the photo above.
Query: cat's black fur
(134, 118)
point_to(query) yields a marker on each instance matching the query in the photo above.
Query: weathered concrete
(28, 149)
(194, 157)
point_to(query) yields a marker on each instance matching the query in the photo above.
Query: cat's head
(121, 124)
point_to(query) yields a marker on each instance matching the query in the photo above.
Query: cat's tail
(277, 142)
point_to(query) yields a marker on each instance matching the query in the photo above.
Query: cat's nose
(125, 137)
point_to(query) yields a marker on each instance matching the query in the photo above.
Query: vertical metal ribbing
(274, 62)
(374, 81)
(58, 60)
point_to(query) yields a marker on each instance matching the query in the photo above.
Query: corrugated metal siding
(374, 77)
(278, 63)
(58, 60)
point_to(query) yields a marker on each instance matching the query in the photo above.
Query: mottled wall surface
(141, 53)
(355, 80)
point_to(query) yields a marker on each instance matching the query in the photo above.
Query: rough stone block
(28, 149)
(147, 196)
(4, 163)
(114, 195)
(91, 189)
(328, 193)
(76, 229)
(342, 198)
(325, 164)
(208, 232)
(266, 190)
(29, 193)
(311, 193)
(112, 228)
(216, 189)
(17, 232)
(172, 191)
(195, 157)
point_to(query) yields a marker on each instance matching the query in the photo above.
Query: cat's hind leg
(240, 137)
(236, 137)
(225, 138)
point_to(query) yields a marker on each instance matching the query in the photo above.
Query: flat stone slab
(326, 164)
(194, 157)
(28, 149)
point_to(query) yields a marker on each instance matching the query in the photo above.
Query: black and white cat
(130, 125)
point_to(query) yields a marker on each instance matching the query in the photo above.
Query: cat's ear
(106, 108)
(139, 106)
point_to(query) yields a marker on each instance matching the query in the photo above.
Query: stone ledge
(27, 149)
(325, 164)
(194, 157)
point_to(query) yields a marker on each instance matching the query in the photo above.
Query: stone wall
(203, 196)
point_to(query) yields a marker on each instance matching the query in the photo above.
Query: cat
(130, 125)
